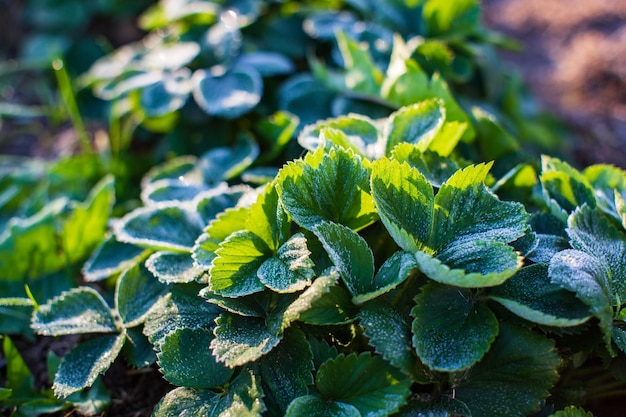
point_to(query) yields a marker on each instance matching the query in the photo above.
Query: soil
(574, 62)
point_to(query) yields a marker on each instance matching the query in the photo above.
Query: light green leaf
(291, 269)
(513, 377)
(405, 202)
(314, 406)
(286, 372)
(244, 397)
(229, 95)
(80, 310)
(609, 183)
(324, 186)
(186, 360)
(19, 379)
(226, 162)
(366, 382)
(572, 412)
(239, 340)
(356, 132)
(620, 206)
(390, 335)
(457, 18)
(417, 124)
(136, 293)
(350, 253)
(448, 137)
(267, 219)
(169, 226)
(173, 267)
(111, 258)
(82, 365)
(225, 223)
(233, 272)
(451, 330)
(531, 295)
(362, 75)
(186, 402)
(436, 169)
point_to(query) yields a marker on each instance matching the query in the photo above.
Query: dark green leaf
(80, 368)
(186, 360)
(314, 406)
(111, 258)
(186, 402)
(136, 293)
(138, 350)
(80, 310)
(437, 407)
(229, 95)
(254, 305)
(451, 330)
(20, 381)
(514, 376)
(167, 95)
(226, 162)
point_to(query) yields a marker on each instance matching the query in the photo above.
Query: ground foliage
(371, 231)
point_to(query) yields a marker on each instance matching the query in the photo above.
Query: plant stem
(67, 92)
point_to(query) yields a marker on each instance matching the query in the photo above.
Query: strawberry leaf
(291, 269)
(173, 267)
(136, 293)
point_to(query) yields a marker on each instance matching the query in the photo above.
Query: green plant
(372, 276)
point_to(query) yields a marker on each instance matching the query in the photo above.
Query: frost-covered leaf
(138, 351)
(531, 295)
(168, 226)
(513, 377)
(233, 272)
(173, 267)
(226, 162)
(444, 406)
(239, 340)
(80, 310)
(366, 382)
(226, 223)
(405, 202)
(186, 360)
(451, 330)
(314, 406)
(210, 204)
(286, 372)
(435, 168)
(82, 365)
(291, 269)
(327, 186)
(244, 397)
(229, 95)
(267, 63)
(361, 73)
(417, 124)
(136, 292)
(390, 335)
(392, 273)
(111, 258)
(170, 190)
(267, 219)
(182, 169)
(182, 402)
(254, 305)
(572, 412)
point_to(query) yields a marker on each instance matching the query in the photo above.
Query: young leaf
(405, 202)
(233, 272)
(173, 267)
(417, 124)
(291, 269)
(239, 340)
(111, 258)
(186, 360)
(136, 293)
(268, 220)
(392, 273)
(225, 223)
(229, 95)
(254, 305)
(19, 379)
(286, 372)
(332, 186)
(80, 310)
(167, 226)
(451, 330)
(390, 335)
(572, 412)
(513, 377)
(82, 365)
(366, 382)
(362, 74)
(314, 406)
(531, 295)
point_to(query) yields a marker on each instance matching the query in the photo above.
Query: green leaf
(286, 372)
(186, 402)
(436, 169)
(366, 382)
(572, 412)
(170, 190)
(244, 397)
(254, 305)
(230, 95)
(390, 335)
(323, 303)
(167, 95)
(268, 220)
(405, 202)
(19, 379)
(268, 64)
(417, 124)
(451, 330)
(314, 406)
(225, 223)
(173, 267)
(392, 273)
(448, 137)
(513, 377)
(564, 187)
(136, 293)
(80, 310)
(138, 351)
(362, 74)
(457, 18)
(434, 407)
(111, 258)
(169, 226)
(233, 272)
(531, 295)
(327, 186)
(239, 340)
(96, 400)
(620, 206)
(186, 360)
(82, 365)
(356, 132)
(494, 141)
(291, 269)
(226, 162)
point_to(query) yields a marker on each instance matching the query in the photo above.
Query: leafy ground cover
(307, 208)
